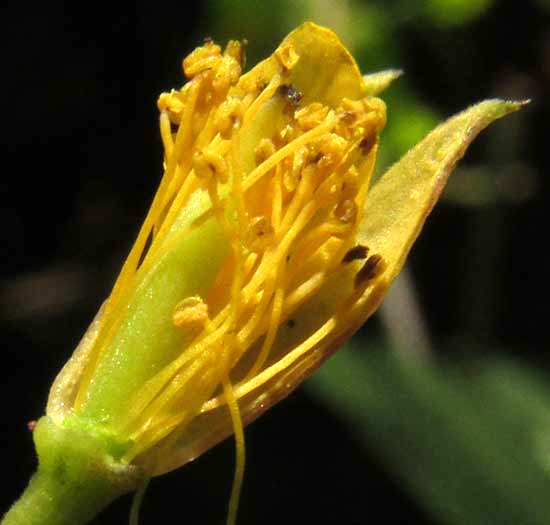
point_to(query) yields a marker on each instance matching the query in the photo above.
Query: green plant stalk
(75, 480)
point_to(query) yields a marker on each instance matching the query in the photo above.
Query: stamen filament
(240, 454)
(267, 165)
(276, 312)
(284, 363)
(263, 97)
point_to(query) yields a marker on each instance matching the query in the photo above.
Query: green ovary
(146, 339)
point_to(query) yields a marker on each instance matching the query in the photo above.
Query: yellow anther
(229, 114)
(350, 183)
(290, 182)
(351, 119)
(311, 116)
(377, 111)
(264, 150)
(207, 163)
(293, 172)
(226, 73)
(173, 103)
(260, 234)
(360, 118)
(191, 314)
(235, 49)
(346, 211)
(340, 188)
(261, 84)
(347, 104)
(202, 58)
(299, 160)
(287, 56)
(331, 150)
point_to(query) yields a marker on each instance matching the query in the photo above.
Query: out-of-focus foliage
(448, 13)
(544, 4)
(470, 440)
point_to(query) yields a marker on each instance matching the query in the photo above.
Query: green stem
(75, 479)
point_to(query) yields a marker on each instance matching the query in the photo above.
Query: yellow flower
(263, 251)
(248, 268)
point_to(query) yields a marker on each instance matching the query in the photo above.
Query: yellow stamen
(264, 96)
(284, 363)
(240, 454)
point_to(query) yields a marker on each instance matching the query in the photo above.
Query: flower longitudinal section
(251, 239)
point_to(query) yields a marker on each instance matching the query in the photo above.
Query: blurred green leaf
(452, 13)
(470, 442)
(543, 4)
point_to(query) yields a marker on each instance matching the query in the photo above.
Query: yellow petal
(325, 71)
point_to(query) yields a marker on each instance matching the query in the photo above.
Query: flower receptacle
(75, 478)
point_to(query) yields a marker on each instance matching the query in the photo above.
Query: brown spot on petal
(357, 252)
(372, 268)
(291, 94)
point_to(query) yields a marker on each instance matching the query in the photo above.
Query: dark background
(82, 159)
